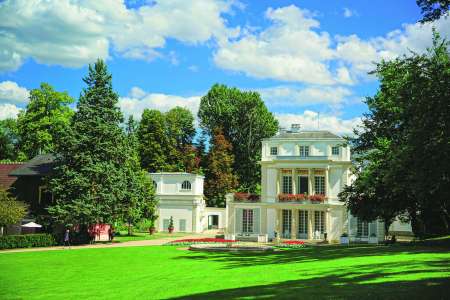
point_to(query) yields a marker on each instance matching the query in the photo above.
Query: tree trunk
(130, 232)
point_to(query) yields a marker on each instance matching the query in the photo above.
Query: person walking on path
(66, 238)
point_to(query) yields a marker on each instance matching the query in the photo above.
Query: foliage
(11, 211)
(433, 9)
(246, 197)
(219, 177)
(46, 117)
(180, 127)
(402, 152)
(170, 223)
(97, 178)
(9, 141)
(154, 144)
(27, 241)
(245, 121)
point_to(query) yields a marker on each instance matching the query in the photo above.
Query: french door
(302, 224)
(287, 224)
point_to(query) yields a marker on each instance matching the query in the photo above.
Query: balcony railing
(298, 157)
(301, 198)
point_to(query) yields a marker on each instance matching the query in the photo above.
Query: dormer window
(186, 186)
(304, 151)
(335, 150)
(273, 150)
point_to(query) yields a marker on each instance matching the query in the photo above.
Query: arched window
(186, 185)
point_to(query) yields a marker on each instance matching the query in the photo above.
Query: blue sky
(304, 57)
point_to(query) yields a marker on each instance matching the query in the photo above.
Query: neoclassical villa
(302, 174)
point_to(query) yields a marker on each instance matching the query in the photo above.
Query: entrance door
(302, 224)
(287, 224)
(213, 222)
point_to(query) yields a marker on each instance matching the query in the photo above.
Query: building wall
(178, 213)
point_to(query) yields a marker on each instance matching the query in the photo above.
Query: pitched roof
(38, 166)
(5, 179)
(322, 134)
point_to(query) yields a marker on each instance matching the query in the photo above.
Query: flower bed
(187, 242)
(292, 244)
(246, 197)
(300, 197)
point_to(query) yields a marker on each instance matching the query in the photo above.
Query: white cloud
(288, 50)
(309, 121)
(291, 95)
(11, 92)
(348, 13)
(138, 100)
(73, 33)
(8, 111)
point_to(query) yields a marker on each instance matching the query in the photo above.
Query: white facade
(180, 196)
(302, 173)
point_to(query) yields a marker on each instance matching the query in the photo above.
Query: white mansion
(302, 173)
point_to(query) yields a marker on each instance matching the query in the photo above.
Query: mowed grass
(156, 272)
(141, 236)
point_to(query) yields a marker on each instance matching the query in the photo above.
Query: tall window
(319, 184)
(247, 220)
(287, 184)
(302, 186)
(335, 150)
(304, 151)
(186, 186)
(273, 150)
(319, 222)
(303, 224)
(362, 228)
(287, 223)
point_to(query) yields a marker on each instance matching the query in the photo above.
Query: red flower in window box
(291, 197)
(317, 198)
(246, 197)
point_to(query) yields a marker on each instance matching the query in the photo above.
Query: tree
(154, 144)
(46, 117)
(433, 9)
(96, 174)
(245, 121)
(408, 126)
(11, 211)
(139, 202)
(9, 140)
(219, 177)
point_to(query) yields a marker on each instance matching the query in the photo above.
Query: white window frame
(362, 228)
(304, 151)
(286, 186)
(273, 152)
(335, 148)
(319, 221)
(319, 183)
(247, 220)
(186, 185)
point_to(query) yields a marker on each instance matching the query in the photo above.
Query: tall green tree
(9, 141)
(245, 121)
(219, 176)
(154, 143)
(11, 210)
(96, 172)
(46, 117)
(408, 125)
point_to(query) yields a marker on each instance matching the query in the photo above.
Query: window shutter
(256, 220)
(352, 225)
(238, 220)
(372, 228)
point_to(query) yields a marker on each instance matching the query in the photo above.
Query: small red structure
(100, 231)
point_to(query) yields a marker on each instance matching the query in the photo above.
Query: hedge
(27, 241)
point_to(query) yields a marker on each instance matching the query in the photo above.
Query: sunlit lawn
(168, 272)
(140, 236)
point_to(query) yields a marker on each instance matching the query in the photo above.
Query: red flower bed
(246, 197)
(294, 242)
(199, 241)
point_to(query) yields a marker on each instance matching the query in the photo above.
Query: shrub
(27, 241)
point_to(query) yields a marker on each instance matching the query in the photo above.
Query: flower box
(246, 197)
(292, 197)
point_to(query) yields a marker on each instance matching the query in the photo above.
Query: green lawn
(156, 272)
(140, 236)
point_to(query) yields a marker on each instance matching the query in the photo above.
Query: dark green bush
(26, 241)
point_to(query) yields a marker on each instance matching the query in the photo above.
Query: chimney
(295, 127)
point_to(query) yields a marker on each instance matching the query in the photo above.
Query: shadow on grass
(310, 254)
(322, 277)
(333, 287)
